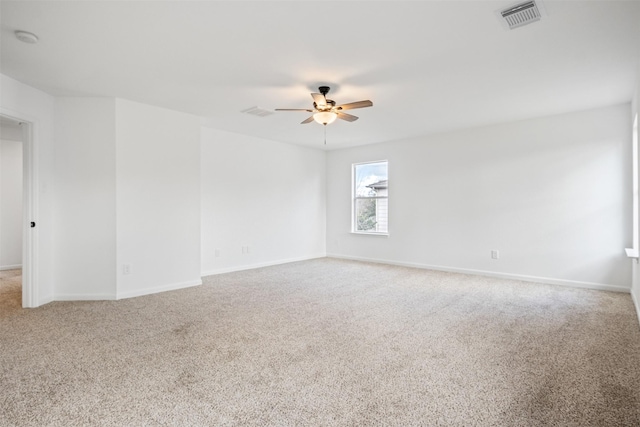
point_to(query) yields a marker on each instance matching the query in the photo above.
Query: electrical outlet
(217, 253)
(126, 269)
(495, 254)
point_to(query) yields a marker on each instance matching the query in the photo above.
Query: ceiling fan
(326, 111)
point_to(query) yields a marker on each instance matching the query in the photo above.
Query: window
(370, 198)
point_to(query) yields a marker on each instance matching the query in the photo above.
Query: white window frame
(634, 252)
(355, 198)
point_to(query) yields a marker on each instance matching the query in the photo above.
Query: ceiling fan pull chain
(325, 134)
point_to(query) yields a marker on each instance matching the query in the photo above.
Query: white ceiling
(428, 66)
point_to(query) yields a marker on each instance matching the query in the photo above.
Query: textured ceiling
(428, 66)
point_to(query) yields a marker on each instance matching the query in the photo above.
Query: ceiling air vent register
(521, 14)
(257, 111)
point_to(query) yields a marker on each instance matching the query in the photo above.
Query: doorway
(16, 204)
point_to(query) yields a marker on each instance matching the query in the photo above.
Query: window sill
(364, 233)
(632, 253)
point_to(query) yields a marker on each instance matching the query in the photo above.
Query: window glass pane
(371, 179)
(370, 189)
(371, 215)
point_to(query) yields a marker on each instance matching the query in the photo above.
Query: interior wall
(158, 199)
(85, 213)
(32, 105)
(263, 202)
(10, 201)
(552, 195)
(635, 290)
(11, 132)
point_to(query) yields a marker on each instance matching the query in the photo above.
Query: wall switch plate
(217, 253)
(495, 254)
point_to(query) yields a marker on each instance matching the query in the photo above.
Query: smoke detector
(521, 14)
(26, 37)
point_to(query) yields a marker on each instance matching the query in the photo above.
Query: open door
(24, 131)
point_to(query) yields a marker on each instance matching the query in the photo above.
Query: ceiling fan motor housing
(330, 104)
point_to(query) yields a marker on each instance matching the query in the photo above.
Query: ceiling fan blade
(345, 116)
(357, 104)
(294, 109)
(309, 120)
(319, 99)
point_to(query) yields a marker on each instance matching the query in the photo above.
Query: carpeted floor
(327, 343)
(10, 292)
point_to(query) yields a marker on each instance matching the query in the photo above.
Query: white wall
(158, 199)
(635, 290)
(29, 104)
(551, 194)
(10, 203)
(85, 210)
(260, 194)
(11, 132)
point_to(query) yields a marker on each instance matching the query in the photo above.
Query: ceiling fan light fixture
(325, 117)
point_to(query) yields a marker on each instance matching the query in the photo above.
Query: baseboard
(83, 297)
(636, 303)
(158, 289)
(45, 300)
(260, 265)
(536, 279)
(10, 267)
(123, 295)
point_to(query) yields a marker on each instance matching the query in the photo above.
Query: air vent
(521, 14)
(257, 111)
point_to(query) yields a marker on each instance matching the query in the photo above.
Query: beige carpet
(327, 343)
(10, 292)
